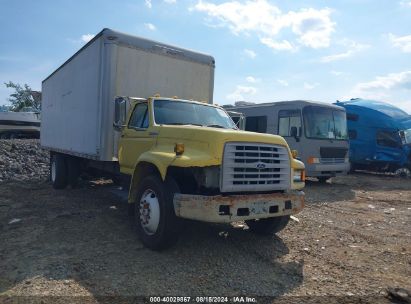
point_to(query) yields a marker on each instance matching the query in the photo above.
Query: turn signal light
(303, 175)
(179, 149)
(313, 160)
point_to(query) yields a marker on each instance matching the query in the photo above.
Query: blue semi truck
(380, 136)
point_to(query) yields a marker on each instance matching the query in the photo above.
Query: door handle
(153, 133)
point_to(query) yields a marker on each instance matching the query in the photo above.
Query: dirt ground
(351, 242)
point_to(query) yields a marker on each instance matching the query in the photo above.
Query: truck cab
(380, 136)
(189, 160)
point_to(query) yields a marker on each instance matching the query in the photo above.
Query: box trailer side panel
(78, 98)
(70, 105)
(141, 74)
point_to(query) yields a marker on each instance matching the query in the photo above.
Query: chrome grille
(255, 167)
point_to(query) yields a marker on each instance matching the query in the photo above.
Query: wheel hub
(149, 211)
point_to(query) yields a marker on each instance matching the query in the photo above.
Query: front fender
(160, 161)
(297, 164)
(190, 158)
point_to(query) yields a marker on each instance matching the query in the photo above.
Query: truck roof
(379, 106)
(145, 44)
(187, 100)
(286, 102)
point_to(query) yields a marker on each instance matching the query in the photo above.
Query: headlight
(299, 176)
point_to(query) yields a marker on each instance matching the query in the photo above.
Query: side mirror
(120, 112)
(294, 133)
(403, 137)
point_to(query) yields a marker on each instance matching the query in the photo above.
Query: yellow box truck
(184, 156)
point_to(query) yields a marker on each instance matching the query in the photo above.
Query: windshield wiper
(216, 126)
(183, 124)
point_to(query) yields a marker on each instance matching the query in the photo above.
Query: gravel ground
(23, 159)
(350, 243)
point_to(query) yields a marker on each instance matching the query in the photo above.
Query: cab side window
(387, 139)
(139, 118)
(287, 121)
(256, 124)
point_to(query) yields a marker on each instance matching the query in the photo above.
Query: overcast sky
(264, 50)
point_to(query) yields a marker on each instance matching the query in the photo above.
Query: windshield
(325, 123)
(174, 112)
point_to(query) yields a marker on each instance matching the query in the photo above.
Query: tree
(23, 96)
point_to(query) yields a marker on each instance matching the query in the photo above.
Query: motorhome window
(287, 119)
(175, 112)
(139, 118)
(388, 139)
(256, 124)
(352, 134)
(352, 117)
(325, 123)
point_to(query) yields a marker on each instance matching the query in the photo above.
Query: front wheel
(268, 225)
(155, 219)
(403, 173)
(323, 179)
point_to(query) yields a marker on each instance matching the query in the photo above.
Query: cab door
(136, 137)
(290, 127)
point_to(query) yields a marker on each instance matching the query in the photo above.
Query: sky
(264, 50)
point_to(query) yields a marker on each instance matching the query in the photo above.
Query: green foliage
(4, 108)
(23, 96)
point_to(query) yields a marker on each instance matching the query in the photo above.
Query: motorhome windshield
(174, 112)
(325, 123)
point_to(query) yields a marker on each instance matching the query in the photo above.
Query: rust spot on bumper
(252, 206)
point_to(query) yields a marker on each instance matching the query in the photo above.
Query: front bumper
(231, 208)
(317, 170)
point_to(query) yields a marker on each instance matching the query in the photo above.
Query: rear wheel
(155, 219)
(269, 225)
(73, 170)
(58, 171)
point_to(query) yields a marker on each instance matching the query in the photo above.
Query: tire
(157, 225)
(323, 179)
(403, 173)
(268, 226)
(58, 171)
(73, 170)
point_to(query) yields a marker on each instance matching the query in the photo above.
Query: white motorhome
(318, 131)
